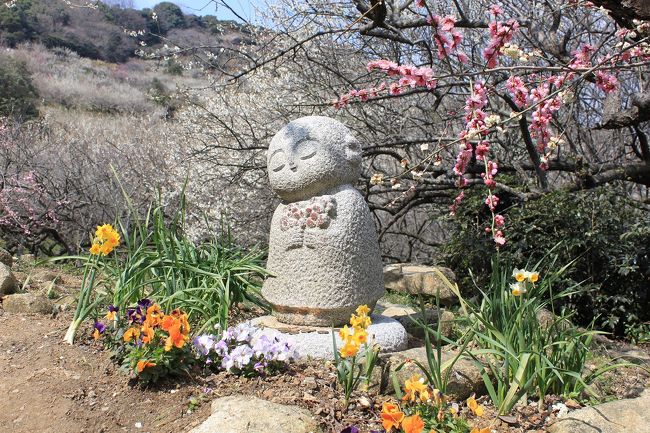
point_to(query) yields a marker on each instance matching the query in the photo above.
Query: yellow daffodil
(517, 289)
(533, 277)
(519, 274)
(363, 310)
(360, 321)
(360, 336)
(106, 240)
(349, 349)
(95, 249)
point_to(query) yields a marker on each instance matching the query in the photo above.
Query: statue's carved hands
(314, 238)
(295, 236)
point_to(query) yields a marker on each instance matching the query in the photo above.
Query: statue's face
(310, 156)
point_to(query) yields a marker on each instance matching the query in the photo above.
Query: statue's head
(310, 156)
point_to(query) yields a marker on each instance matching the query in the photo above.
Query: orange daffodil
(106, 240)
(356, 335)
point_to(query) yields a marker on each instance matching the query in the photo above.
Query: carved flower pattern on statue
(316, 212)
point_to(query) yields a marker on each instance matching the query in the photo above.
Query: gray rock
(324, 254)
(420, 280)
(6, 258)
(406, 316)
(27, 303)
(465, 377)
(245, 414)
(313, 342)
(45, 276)
(27, 259)
(621, 416)
(8, 283)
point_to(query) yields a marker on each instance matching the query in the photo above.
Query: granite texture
(248, 414)
(8, 283)
(324, 255)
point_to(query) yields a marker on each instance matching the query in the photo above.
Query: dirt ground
(49, 386)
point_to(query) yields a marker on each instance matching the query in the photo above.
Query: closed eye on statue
(277, 161)
(307, 150)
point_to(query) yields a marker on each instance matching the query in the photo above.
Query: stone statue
(323, 249)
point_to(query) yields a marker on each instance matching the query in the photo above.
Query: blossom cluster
(421, 405)
(409, 77)
(446, 37)
(106, 239)
(357, 334)
(245, 349)
(314, 213)
(500, 34)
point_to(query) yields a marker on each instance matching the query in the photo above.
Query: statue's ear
(353, 151)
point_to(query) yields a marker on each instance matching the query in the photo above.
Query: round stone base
(316, 342)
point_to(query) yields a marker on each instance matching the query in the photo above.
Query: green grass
(156, 260)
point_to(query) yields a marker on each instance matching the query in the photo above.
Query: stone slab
(416, 279)
(621, 416)
(247, 414)
(27, 303)
(316, 342)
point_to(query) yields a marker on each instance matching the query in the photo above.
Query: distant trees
(18, 96)
(168, 16)
(17, 24)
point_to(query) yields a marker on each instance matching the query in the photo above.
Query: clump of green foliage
(18, 96)
(602, 232)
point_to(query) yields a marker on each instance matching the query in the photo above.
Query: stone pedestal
(316, 342)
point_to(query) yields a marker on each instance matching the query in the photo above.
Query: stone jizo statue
(323, 248)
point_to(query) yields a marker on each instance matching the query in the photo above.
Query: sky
(245, 8)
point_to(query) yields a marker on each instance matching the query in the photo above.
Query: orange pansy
(175, 339)
(413, 424)
(147, 333)
(391, 416)
(142, 364)
(154, 316)
(168, 322)
(130, 334)
(483, 430)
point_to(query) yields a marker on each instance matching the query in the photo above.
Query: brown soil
(49, 386)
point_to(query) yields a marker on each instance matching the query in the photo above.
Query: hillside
(112, 33)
